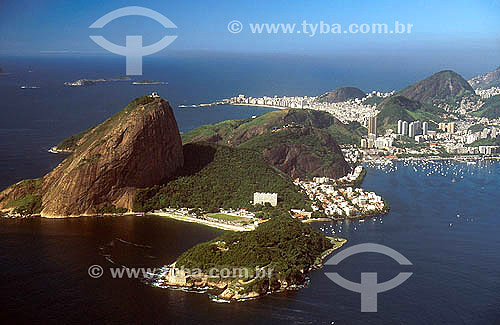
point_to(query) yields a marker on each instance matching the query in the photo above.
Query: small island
(90, 82)
(277, 256)
(149, 82)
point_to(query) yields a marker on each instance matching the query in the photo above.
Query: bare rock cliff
(137, 147)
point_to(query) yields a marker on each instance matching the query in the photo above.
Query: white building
(263, 198)
(425, 128)
(411, 130)
(405, 128)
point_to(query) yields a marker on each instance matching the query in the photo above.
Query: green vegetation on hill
(283, 244)
(476, 128)
(443, 86)
(216, 176)
(397, 108)
(301, 143)
(490, 109)
(30, 200)
(485, 142)
(308, 143)
(394, 109)
(236, 132)
(346, 133)
(373, 100)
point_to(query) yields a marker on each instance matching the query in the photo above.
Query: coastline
(324, 219)
(462, 159)
(337, 244)
(243, 104)
(258, 105)
(231, 289)
(201, 221)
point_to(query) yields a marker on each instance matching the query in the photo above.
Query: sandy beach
(201, 221)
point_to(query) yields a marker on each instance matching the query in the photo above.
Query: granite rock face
(137, 147)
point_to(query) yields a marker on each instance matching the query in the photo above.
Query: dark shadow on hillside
(196, 157)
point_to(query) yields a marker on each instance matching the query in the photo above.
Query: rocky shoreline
(235, 289)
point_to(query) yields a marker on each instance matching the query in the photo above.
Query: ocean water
(33, 120)
(448, 230)
(455, 279)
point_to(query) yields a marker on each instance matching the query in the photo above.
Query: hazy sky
(468, 29)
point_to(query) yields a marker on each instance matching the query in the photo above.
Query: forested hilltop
(301, 143)
(216, 176)
(284, 248)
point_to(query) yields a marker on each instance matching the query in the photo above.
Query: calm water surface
(448, 230)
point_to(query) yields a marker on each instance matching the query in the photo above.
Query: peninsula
(134, 161)
(277, 256)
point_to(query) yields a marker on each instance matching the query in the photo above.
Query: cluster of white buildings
(352, 154)
(277, 102)
(348, 179)
(467, 104)
(458, 143)
(339, 202)
(347, 111)
(373, 142)
(413, 128)
(375, 93)
(461, 149)
(486, 133)
(487, 93)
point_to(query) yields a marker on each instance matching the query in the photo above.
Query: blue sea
(445, 223)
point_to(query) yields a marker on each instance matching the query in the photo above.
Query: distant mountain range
(486, 80)
(341, 95)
